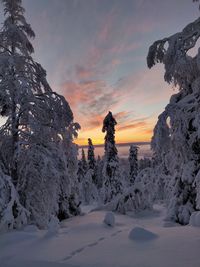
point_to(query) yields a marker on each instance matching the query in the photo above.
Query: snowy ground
(86, 242)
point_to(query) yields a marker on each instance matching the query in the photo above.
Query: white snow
(83, 241)
(109, 219)
(141, 234)
(30, 228)
(53, 226)
(195, 219)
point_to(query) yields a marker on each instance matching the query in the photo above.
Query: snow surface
(85, 241)
(30, 228)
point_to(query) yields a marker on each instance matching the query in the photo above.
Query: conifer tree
(112, 180)
(82, 167)
(84, 161)
(133, 163)
(92, 161)
(99, 172)
(91, 156)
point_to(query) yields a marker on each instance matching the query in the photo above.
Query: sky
(94, 52)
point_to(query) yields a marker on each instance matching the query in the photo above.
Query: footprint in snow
(67, 258)
(116, 233)
(93, 244)
(101, 238)
(80, 249)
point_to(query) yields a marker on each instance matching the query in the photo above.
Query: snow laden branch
(172, 52)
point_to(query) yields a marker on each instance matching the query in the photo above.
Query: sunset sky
(95, 52)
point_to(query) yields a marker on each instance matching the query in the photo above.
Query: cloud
(90, 100)
(83, 73)
(122, 116)
(132, 126)
(111, 40)
(78, 93)
(148, 131)
(146, 87)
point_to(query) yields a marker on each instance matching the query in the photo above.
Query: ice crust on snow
(141, 234)
(109, 219)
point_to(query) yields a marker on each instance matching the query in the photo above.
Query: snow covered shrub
(140, 196)
(195, 219)
(141, 234)
(53, 226)
(88, 191)
(109, 219)
(38, 189)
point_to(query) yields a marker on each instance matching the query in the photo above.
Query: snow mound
(141, 234)
(31, 228)
(195, 219)
(53, 226)
(109, 219)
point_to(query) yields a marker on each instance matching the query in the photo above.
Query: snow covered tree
(139, 196)
(89, 193)
(39, 125)
(99, 172)
(87, 174)
(12, 213)
(144, 163)
(82, 167)
(112, 185)
(92, 161)
(83, 160)
(133, 163)
(91, 156)
(176, 140)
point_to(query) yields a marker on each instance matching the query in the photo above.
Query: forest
(43, 183)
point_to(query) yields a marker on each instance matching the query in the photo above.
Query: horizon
(118, 144)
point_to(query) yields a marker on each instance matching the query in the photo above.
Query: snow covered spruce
(37, 157)
(112, 184)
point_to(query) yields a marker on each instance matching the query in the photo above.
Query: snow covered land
(58, 210)
(86, 241)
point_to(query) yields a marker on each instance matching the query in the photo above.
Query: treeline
(102, 179)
